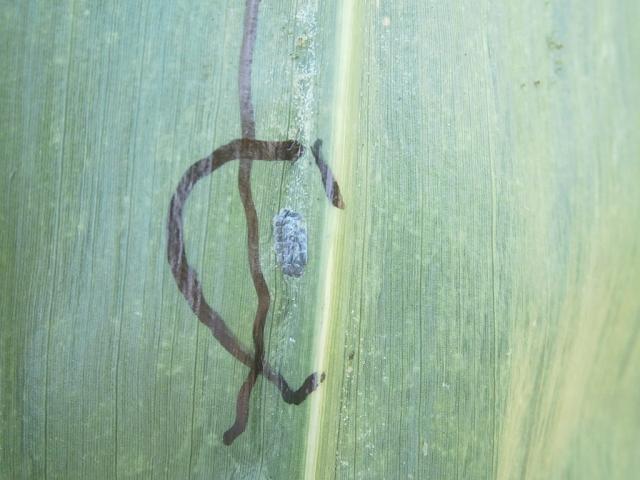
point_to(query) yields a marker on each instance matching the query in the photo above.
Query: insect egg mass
(290, 242)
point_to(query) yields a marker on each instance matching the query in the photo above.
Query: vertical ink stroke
(248, 126)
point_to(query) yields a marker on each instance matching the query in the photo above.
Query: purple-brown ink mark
(186, 276)
(331, 188)
(245, 149)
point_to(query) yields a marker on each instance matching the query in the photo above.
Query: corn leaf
(474, 307)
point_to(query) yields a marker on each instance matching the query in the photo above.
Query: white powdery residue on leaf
(303, 129)
(304, 96)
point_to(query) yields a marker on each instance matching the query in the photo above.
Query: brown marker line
(248, 126)
(331, 188)
(246, 149)
(186, 276)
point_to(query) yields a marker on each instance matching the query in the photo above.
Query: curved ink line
(189, 285)
(331, 188)
(246, 149)
(186, 276)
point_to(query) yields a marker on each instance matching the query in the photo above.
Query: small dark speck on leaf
(351, 355)
(557, 66)
(552, 44)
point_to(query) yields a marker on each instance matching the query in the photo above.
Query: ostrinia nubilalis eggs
(290, 236)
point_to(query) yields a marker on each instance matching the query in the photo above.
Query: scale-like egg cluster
(290, 236)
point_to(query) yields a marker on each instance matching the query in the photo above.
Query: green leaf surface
(475, 307)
